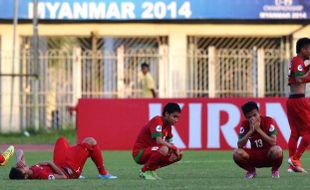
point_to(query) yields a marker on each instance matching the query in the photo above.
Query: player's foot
(106, 176)
(291, 169)
(250, 174)
(147, 175)
(7, 154)
(155, 175)
(82, 177)
(275, 174)
(296, 165)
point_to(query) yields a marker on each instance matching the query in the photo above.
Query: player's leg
(304, 130)
(6, 155)
(275, 155)
(96, 155)
(242, 159)
(291, 115)
(60, 149)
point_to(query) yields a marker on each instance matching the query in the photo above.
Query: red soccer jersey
(42, 172)
(267, 124)
(154, 128)
(297, 68)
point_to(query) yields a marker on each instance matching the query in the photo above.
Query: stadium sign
(204, 123)
(130, 10)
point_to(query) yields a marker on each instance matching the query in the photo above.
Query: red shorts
(143, 155)
(71, 159)
(259, 158)
(298, 113)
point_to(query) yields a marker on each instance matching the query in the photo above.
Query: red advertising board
(205, 124)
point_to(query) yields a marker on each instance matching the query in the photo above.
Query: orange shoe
(296, 165)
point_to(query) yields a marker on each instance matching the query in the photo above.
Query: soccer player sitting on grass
(153, 147)
(261, 132)
(68, 162)
(6, 155)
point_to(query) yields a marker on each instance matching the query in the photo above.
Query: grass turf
(197, 170)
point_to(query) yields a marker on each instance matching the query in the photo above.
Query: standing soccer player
(153, 148)
(298, 108)
(261, 132)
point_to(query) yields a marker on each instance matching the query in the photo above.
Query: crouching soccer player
(264, 152)
(68, 162)
(153, 147)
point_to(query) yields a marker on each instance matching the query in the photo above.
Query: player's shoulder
(297, 60)
(244, 124)
(157, 120)
(267, 119)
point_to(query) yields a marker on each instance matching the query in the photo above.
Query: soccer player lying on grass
(261, 132)
(153, 147)
(68, 162)
(6, 155)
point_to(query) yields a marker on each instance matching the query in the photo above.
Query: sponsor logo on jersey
(299, 68)
(271, 128)
(158, 128)
(241, 130)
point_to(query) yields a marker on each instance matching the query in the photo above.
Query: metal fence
(216, 67)
(229, 67)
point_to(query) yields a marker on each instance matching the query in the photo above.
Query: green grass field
(197, 170)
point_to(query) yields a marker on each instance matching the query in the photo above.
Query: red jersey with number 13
(267, 124)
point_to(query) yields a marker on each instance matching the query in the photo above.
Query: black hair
(248, 107)
(171, 108)
(145, 65)
(16, 173)
(301, 43)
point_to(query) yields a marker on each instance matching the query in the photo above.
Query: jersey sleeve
(242, 130)
(156, 128)
(272, 131)
(298, 68)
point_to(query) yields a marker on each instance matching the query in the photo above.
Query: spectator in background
(147, 82)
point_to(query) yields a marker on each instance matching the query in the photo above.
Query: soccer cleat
(275, 174)
(296, 165)
(82, 177)
(147, 175)
(290, 169)
(7, 154)
(250, 174)
(155, 175)
(106, 176)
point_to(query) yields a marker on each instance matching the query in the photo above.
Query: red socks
(277, 162)
(97, 157)
(245, 164)
(302, 146)
(154, 161)
(292, 145)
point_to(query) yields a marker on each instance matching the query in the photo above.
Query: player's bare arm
(171, 146)
(272, 140)
(20, 159)
(58, 173)
(242, 141)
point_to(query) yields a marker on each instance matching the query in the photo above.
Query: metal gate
(111, 70)
(221, 67)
